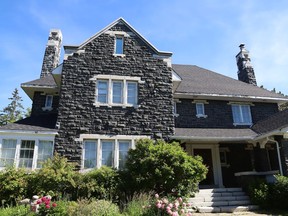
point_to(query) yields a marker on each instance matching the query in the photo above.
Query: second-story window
(116, 90)
(241, 114)
(119, 45)
(49, 101)
(200, 110)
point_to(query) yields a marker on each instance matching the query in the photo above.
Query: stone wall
(39, 100)
(219, 114)
(78, 115)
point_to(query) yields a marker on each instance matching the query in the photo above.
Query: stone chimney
(245, 69)
(52, 52)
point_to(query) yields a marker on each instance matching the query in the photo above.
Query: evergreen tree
(14, 110)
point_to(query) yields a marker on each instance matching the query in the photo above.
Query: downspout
(278, 153)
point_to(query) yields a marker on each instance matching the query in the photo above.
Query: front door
(206, 154)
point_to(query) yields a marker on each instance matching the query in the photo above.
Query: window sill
(115, 105)
(247, 124)
(47, 108)
(201, 116)
(119, 55)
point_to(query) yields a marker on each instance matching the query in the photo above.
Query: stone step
(219, 190)
(219, 198)
(226, 209)
(221, 203)
(220, 194)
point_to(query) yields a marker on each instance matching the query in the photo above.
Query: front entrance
(206, 154)
(211, 158)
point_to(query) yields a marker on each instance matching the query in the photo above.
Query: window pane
(117, 92)
(236, 114)
(107, 153)
(45, 151)
(132, 93)
(90, 152)
(7, 152)
(26, 153)
(200, 109)
(119, 45)
(246, 114)
(49, 100)
(123, 151)
(102, 91)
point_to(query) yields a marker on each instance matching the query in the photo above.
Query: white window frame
(110, 79)
(18, 148)
(1, 147)
(240, 108)
(98, 139)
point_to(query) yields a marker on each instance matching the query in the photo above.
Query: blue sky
(206, 33)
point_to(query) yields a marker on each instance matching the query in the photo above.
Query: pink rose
(54, 204)
(180, 199)
(158, 205)
(156, 196)
(47, 206)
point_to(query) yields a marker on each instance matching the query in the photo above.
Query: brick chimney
(245, 69)
(52, 52)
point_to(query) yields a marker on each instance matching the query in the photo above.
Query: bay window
(27, 153)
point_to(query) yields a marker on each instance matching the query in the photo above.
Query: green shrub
(55, 178)
(13, 186)
(270, 196)
(99, 183)
(162, 167)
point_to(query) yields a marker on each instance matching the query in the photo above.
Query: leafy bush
(99, 183)
(162, 167)
(270, 196)
(13, 185)
(55, 178)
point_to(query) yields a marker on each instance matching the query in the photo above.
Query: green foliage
(96, 208)
(137, 205)
(162, 167)
(99, 183)
(270, 196)
(55, 178)
(16, 211)
(14, 110)
(13, 185)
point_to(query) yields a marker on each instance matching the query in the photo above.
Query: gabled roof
(121, 20)
(197, 81)
(45, 122)
(275, 122)
(46, 84)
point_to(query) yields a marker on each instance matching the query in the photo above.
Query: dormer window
(119, 45)
(48, 103)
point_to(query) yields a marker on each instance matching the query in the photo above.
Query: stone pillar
(245, 69)
(52, 52)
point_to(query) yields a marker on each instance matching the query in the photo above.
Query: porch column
(261, 158)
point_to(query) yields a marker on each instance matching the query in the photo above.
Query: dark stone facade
(39, 100)
(219, 114)
(78, 115)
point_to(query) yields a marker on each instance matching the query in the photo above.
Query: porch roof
(214, 134)
(33, 123)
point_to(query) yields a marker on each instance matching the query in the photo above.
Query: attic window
(119, 45)
(48, 103)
